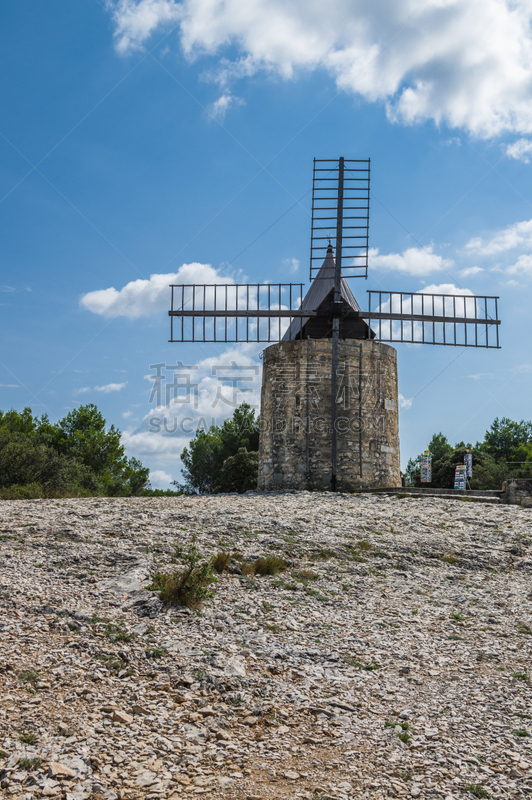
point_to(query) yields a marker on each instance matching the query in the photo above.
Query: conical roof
(320, 288)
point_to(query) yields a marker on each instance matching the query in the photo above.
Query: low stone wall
(517, 492)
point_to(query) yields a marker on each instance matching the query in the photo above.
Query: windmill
(331, 354)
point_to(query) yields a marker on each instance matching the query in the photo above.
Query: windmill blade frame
(463, 320)
(340, 214)
(235, 312)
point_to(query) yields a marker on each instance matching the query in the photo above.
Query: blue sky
(159, 138)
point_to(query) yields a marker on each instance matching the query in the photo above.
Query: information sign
(460, 477)
(426, 467)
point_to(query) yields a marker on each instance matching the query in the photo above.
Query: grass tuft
(29, 764)
(28, 738)
(221, 561)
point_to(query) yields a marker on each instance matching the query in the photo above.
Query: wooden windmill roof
(319, 291)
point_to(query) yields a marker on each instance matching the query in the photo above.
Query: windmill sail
(463, 320)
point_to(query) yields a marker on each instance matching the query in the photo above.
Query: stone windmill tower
(329, 411)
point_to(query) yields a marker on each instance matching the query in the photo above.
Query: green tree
(505, 438)
(205, 455)
(82, 435)
(76, 455)
(239, 473)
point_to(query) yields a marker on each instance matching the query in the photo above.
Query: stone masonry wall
(517, 492)
(295, 440)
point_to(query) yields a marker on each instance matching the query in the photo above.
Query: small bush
(30, 491)
(476, 790)
(270, 565)
(28, 676)
(190, 586)
(221, 561)
(28, 738)
(305, 575)
(29, 764)
(521, 732)
(448, 558)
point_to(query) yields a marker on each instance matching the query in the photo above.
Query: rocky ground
(390, 659)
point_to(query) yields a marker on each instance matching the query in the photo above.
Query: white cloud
(405, 402)
(127, 414)
(9, 386)
(520, 150)
(160, 479)
(416, 261)
(445, 288)
(519, 234)
(166, 429)
(523, 266)
(143, 298)
(111, 387)
(135, 21)
(220, 107)
(291, 264)
(470, 272)
(8, 288)
(467, 63)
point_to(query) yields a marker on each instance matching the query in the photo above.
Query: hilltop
(390, 658)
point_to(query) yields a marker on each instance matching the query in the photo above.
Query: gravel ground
(390, 659)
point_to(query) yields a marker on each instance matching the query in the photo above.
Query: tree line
(505, 452)
(77, 456)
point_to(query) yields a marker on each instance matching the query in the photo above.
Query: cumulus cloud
(291, 264)
(467, 63)
(220, 107)
(160, 479)
(445, 288)
(144, 298)
(111, 387)
(214, 388)
(470, 272)
(520, 150)
(523, 266)
(135, 21)
(416, 261)
(519, 234)
(405, 402)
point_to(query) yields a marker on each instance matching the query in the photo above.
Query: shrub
(190, 586)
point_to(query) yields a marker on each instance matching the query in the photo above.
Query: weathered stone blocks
(296, 435)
